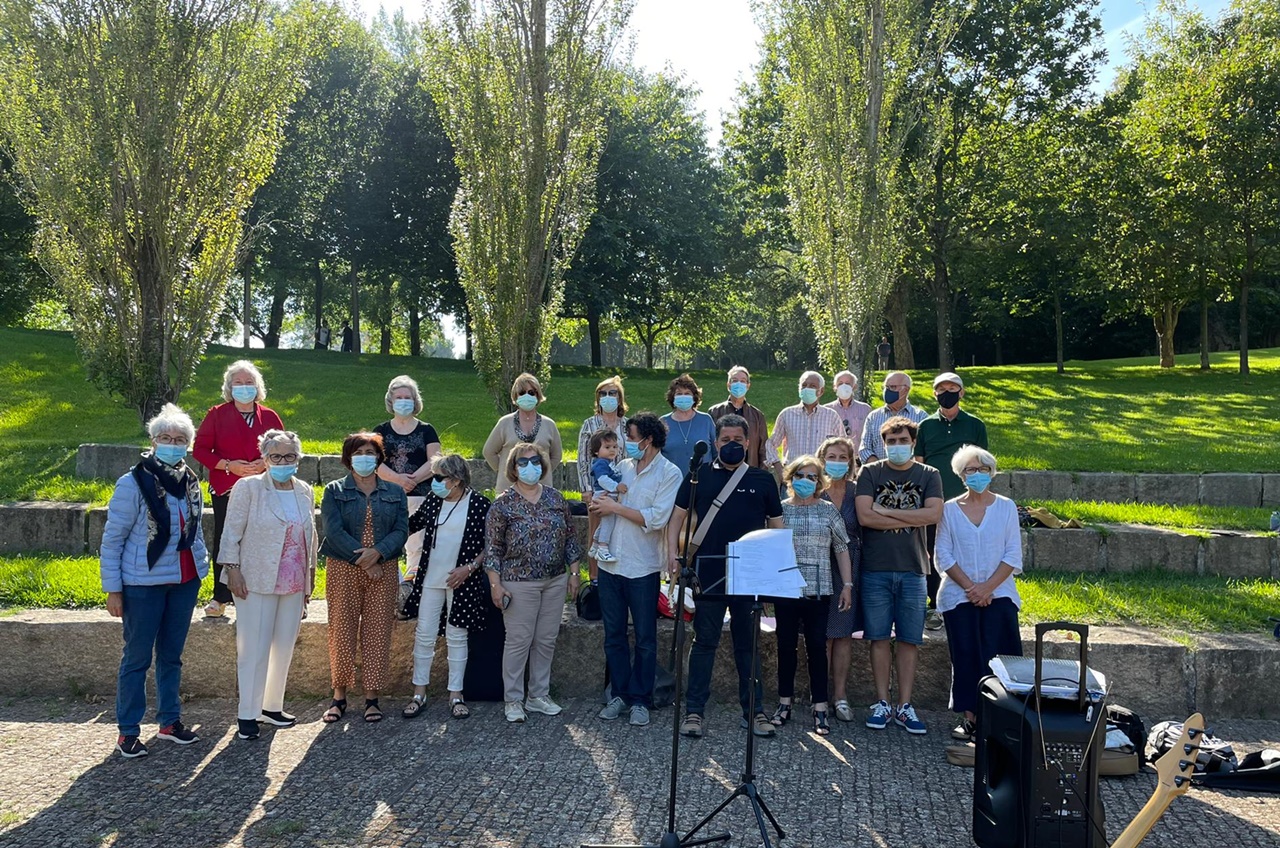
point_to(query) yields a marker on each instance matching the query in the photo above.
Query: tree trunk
(245, 316)
(942, 310)
(415, 332)
(999, 350)
(156, 389)
(1166, 321)
(354, 279)
(384, 316)
(1245, 279)
(648, 351)
(468, 333)
(317, 275)
(1204, 334)
(275, 319)
(593, 331)
(904, 355)
(1057, 326)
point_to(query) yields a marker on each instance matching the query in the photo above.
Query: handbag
(703, 524)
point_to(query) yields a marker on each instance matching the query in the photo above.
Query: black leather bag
(589, 603)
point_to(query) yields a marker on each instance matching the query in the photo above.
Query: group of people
(892, 517)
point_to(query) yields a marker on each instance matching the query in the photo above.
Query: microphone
(699, 451)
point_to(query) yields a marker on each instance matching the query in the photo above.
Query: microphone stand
(670, 838)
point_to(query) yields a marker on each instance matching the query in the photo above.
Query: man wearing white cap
(941, 435)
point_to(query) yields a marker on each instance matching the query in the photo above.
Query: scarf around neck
(152, 476)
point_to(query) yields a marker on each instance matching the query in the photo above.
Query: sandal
(337, 709)
(843, 711)
(781, 715)
(414, 707)
(820, 725)
(371, 711)
(459, 708)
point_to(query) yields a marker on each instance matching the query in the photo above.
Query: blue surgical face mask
(283, 473)
(440, 489)
(808, 396)
(738, 389)
(170, 454)
(527, 401)
(891, 395)
(364, 465)
(803, 488)
(978, 481)
(244, 394)
(531, 473)
(608, 403)
(634, 451)
(404, 406)
(836, 470)
(683, 402)
(899, 454)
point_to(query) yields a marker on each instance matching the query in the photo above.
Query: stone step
(1220, 675)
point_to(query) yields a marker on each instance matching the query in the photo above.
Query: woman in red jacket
(227, 445)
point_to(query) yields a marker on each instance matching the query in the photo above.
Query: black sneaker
(247, 728)
(130, 747)
(176, 732)
(279, 718)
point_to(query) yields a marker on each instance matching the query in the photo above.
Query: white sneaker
(214, 609)
(514, 712)
(603, 554)
(546, 706)
(613, 710)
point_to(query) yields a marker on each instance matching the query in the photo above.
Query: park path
(551, 782)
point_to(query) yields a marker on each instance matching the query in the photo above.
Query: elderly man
(852, 412)
(941, 435)
(738, 384)
(896, 391)
(801, 429)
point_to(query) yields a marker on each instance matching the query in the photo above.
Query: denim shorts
(893, 601)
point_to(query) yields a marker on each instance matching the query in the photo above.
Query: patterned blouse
(818, 530)
(530, 541)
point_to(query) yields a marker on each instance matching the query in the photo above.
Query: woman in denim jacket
(366, 524)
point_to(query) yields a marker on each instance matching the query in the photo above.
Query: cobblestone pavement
(551, 782)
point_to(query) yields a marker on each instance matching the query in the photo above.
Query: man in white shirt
(629, 585)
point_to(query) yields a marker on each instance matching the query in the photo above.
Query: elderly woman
(227, 445)
(366, 523)
(449, 578)
(268, 552)
(529, 545)
(153, 559)
(610, 414)
(819, 535)
(978, 552)
(838, 455)
(686, 425)
(410, 445)
(525, 426)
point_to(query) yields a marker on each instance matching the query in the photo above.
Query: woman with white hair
(410, 445)
(978, 552)
(227, 445)
(152, 561)
(268, 559)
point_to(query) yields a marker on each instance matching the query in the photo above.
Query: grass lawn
(1117, 415)
(1185, 518)
(1170, 603)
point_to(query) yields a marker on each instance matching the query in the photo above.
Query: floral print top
(530, 541)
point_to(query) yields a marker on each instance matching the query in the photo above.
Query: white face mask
(844, 391)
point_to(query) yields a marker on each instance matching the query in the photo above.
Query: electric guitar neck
(1175, 769)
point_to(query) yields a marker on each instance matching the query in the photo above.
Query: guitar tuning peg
(1183, 764)
(1193, 732)
(1178, 781)
(1187, 749)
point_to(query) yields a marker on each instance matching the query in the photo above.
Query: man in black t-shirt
(752, 505)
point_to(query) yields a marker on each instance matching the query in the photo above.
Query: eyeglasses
(166, 439)
(807, 475)
(528, 460)
(609, 393)
(985, 469)
(282, 458)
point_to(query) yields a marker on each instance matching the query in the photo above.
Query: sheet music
(763, 562)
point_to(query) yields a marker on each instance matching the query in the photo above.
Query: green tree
(519, 87)
(22, 283)
(139, 131)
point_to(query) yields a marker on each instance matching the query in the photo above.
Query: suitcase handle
(1082, 630)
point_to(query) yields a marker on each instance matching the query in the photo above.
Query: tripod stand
(747, 780)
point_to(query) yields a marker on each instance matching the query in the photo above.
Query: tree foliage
(139, 131)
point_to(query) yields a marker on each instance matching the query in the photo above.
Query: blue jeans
(631, 678)
(156, 619)
(893, 603)
(708, 624)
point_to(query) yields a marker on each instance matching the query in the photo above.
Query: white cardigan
(253, 533)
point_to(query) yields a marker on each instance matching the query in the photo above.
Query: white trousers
(266, 630)
(413, 547)
(424, 640)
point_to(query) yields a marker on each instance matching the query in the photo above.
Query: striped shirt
(801, 431)
(872, 447)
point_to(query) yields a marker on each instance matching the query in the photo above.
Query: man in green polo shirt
(941, 435)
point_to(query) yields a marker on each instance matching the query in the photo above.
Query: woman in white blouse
(268, 556)
(978, 552)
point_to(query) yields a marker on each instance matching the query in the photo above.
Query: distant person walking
(323, 336)
(348, 338)
(883, 350)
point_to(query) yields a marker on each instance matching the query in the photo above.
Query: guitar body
(1175, 770)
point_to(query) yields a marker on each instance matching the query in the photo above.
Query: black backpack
(1214, 756)
(1131, 725)
(589, 603)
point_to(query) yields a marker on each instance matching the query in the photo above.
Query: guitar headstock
(1177, 766)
